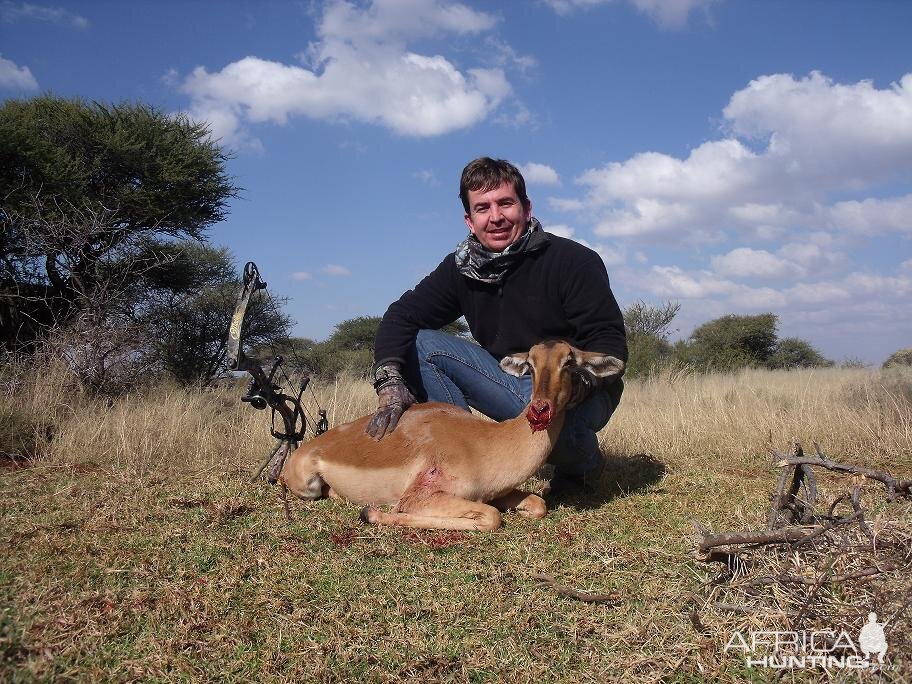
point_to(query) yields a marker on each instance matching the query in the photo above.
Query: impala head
(550, 364)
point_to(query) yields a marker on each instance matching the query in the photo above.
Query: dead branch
(894, 486)
(762, 537)
(575, 594)
(834, 542)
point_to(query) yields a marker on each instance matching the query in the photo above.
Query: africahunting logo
(827, 649)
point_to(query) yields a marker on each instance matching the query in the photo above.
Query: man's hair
(486, 174)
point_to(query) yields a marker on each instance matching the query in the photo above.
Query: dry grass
(133, 548)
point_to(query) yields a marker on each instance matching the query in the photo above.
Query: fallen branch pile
(824, 559)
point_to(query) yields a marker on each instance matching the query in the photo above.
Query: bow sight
(263, 391)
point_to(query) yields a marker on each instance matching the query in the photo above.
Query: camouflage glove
(584, 384)
(394, 399)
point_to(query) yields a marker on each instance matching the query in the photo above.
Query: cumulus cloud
(360, 69)
(560, 229)
(301, 275)
(336, 270)
(771, 212)
(873, 216)
(611, 255)
(793, 146)
(15, 77)
(745, 262)
(539, 174)
(668, 14)
(13, 11)
(709, 290)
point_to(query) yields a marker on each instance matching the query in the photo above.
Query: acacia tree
(83, 188)
(731, 341)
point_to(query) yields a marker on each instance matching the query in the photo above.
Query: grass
(132, 546)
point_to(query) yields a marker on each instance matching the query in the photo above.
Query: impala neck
(531, 449)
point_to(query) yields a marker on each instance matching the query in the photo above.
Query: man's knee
(427, 342)
(577, 450)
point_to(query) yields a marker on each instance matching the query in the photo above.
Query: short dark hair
(486, 174)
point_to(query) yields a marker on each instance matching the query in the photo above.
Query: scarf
(475, 261)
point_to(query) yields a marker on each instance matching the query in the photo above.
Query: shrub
(647, 332)
(902, 357)
(793, 352)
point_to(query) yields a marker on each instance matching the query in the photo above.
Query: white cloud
(539, 174)
(744, 262)
(873, 216)
(669, 14)
(563, 204)
(674, 282)
(301, 275)
(838, 134)
(171, 78)
(869, 296)
(360, 69)
(560, 229)
(336, 270)
(12, 11)
(612, 256)
(15, 77)
(427, 177)
(793, 146)
(504, 55)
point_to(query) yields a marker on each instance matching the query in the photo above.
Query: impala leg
(330, 493)
(526, 504)
(438, 511)
(309, 487)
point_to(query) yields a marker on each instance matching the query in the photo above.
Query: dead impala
(445, 468)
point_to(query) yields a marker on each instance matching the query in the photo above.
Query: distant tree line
(727, 343)
(348, 350)
(724, 344)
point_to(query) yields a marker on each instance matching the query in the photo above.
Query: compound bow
(263, 391)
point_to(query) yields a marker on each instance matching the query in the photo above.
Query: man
(516, 285)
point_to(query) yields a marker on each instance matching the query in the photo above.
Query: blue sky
(734, 156)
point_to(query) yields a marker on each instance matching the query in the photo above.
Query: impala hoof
(369, 515)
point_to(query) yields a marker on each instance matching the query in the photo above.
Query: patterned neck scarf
(475, 261)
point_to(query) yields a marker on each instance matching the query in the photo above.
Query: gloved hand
(584, 384)
(394, 399)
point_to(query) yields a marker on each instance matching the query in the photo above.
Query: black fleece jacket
(559, 292)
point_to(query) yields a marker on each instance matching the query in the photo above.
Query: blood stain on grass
(344, 537)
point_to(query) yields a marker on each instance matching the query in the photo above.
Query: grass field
(132, 546)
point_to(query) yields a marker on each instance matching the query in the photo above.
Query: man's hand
(394, 399)
(584, 385)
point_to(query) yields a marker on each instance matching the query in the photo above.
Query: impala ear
(600, 365)
(516, 365)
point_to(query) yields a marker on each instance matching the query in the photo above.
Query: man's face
(497, 217)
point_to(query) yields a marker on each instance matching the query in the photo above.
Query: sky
(734, 156)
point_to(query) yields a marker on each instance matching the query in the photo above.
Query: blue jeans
(458, 372)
